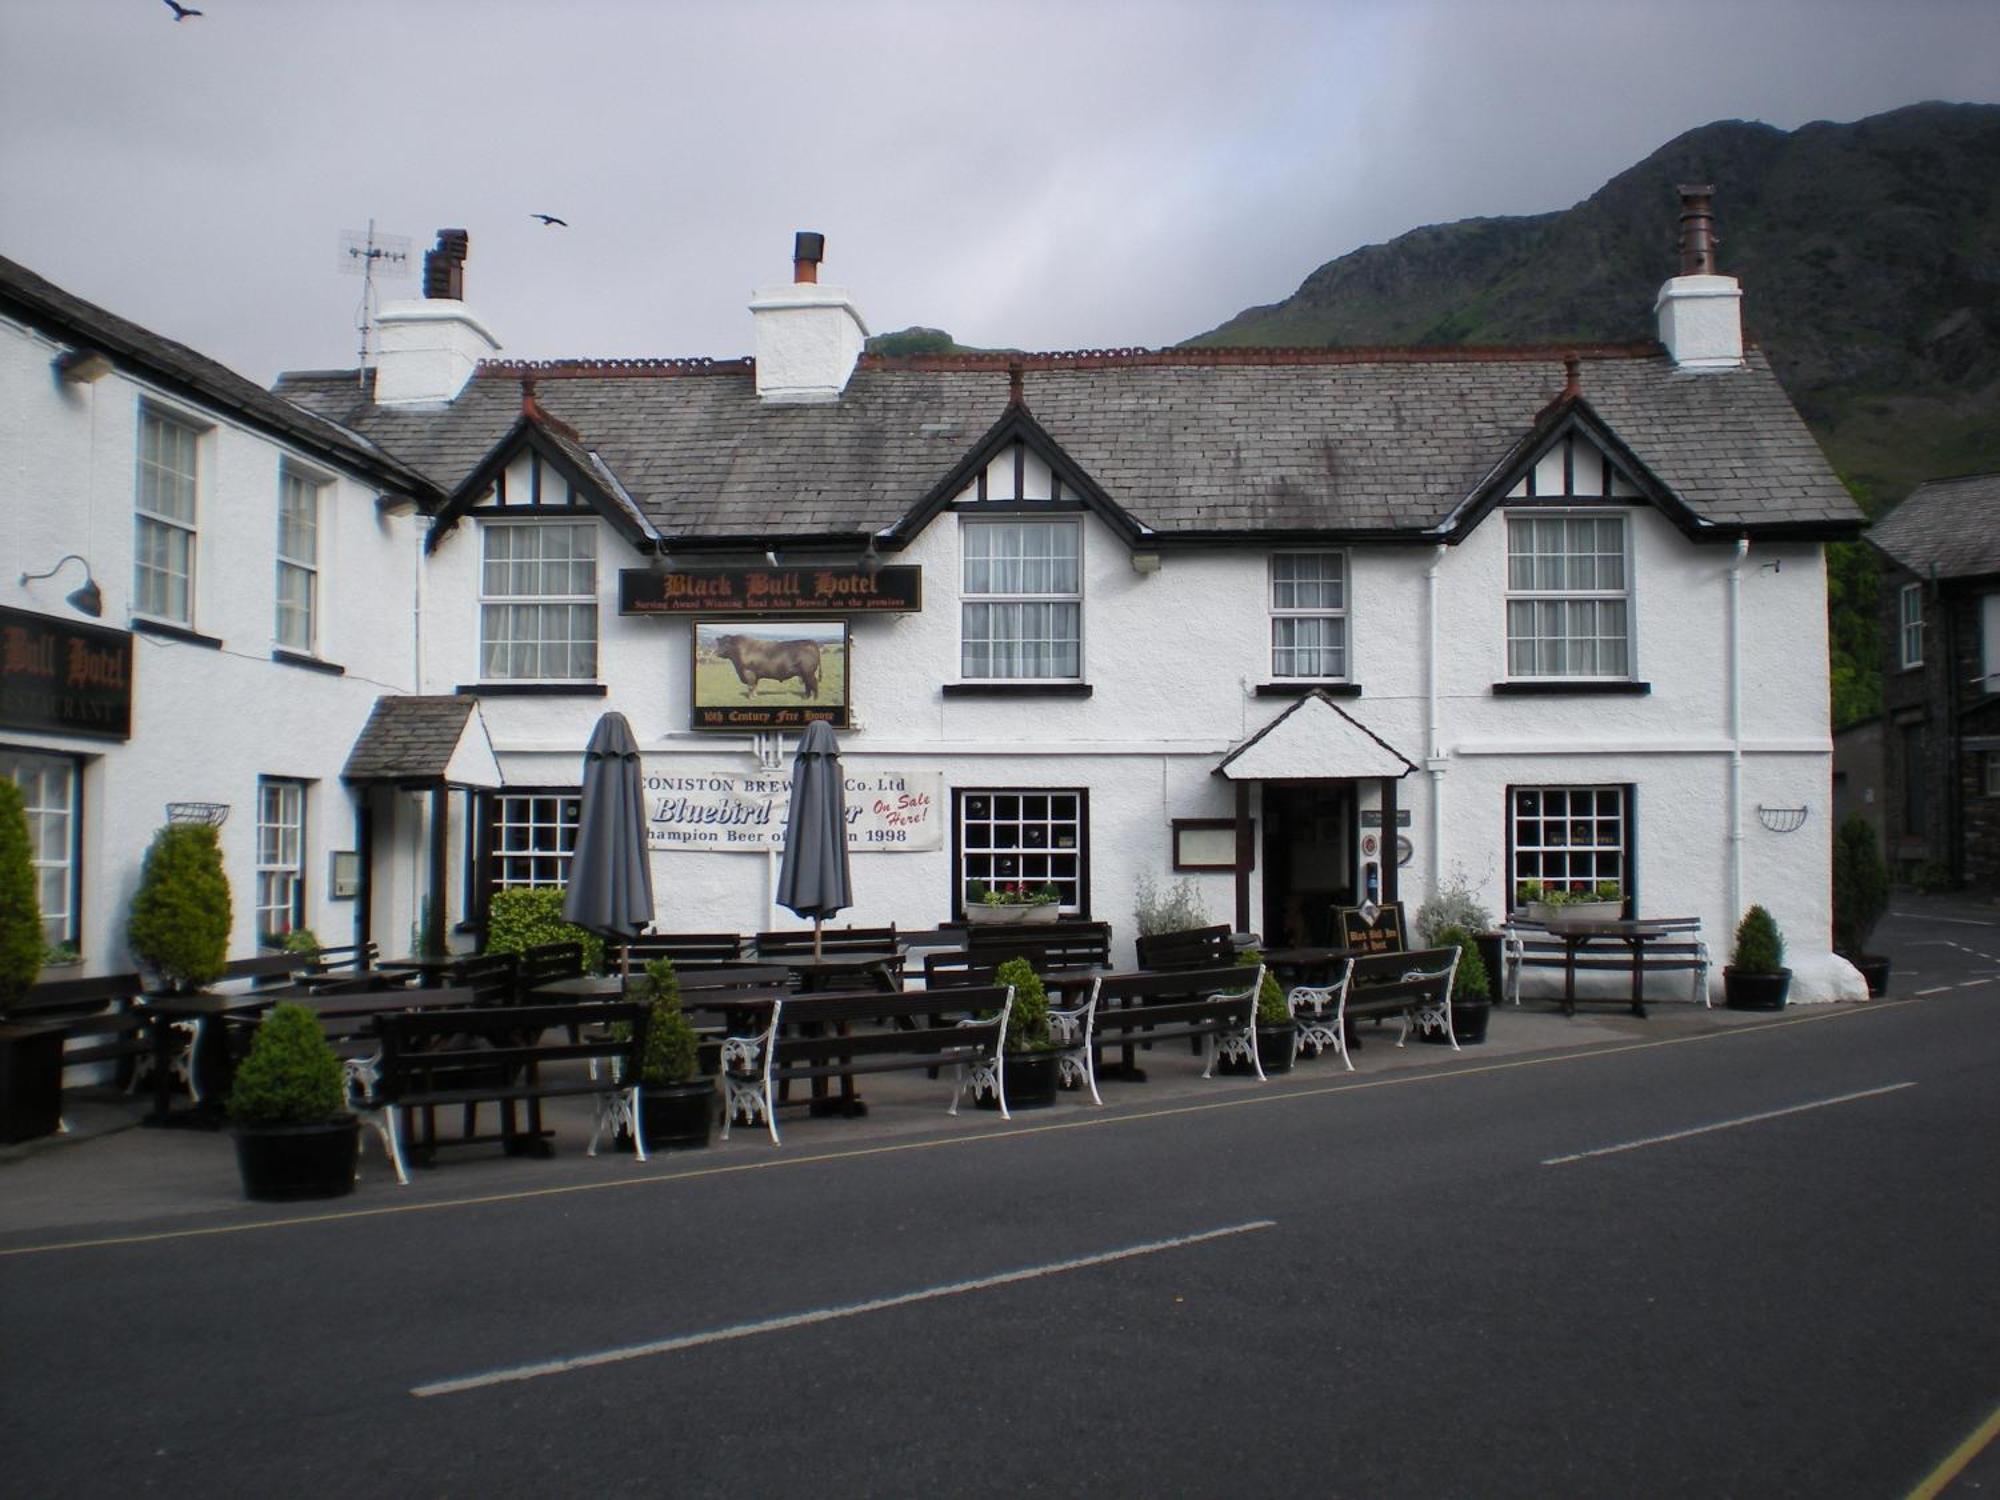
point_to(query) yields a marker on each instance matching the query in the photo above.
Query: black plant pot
(1031, 1081)
(1277, 1050)
(1468, 1024)
(30, 1082)
(677, 1116)
(280, 1163)
(1491, 946)
(1755, 991)
(1874, 968)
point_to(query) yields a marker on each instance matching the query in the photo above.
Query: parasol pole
(818, 923)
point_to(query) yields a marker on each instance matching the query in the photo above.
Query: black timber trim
(179, 633)
(531, 690)
(1017, 424)
(1582, 688)
(1564, 416)
(528, 435)
(1302, 689)
(310, 663)
(1017, 690)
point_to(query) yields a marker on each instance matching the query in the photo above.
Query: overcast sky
(1084, 173)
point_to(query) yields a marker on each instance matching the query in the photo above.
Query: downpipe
(1736, 730)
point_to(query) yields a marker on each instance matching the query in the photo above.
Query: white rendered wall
(207, 722)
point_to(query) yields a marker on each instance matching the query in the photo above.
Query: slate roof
(408, 739)
(1212, 444)
(44, 305)
(1950, 524)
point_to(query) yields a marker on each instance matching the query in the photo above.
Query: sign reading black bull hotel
(60, 677)
(837, 589)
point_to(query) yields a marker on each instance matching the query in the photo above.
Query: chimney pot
(808, 250)
(444, 266)
(1698, 236)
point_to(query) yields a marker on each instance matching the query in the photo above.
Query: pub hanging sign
(835, 589)
(63, 677)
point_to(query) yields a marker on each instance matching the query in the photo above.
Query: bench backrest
(1401, 981)
(794, 943)
(957, 966)
(76, 997)
(684, 946)
(489, 975)
(267, 970)
(1196, 948)
(466, 1047)
(960, 1022)
(1384, 968)
(733, 977)
(1215, 995)
(1059, 945)
(357, 958)
(545, 962)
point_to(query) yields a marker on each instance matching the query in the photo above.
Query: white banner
(892, 812)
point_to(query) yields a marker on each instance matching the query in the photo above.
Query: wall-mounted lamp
(1775, 565)
(771, 557)
(871, 560)
(86, 596)
(661, 563)
(82, 366)
(395, 505)
(1145, 562)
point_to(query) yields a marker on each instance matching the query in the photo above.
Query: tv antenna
(372, 257)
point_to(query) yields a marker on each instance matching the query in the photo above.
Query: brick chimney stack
(1700, 312)
(429, 348)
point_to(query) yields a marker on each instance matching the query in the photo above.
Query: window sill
(1045, 689)
(1583, 687)
(310, 663)
(179, 633)
(531, 689)
(1300, 688)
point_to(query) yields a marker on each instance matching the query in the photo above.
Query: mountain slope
(1869, 255)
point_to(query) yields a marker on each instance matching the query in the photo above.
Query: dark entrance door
(1309, 859)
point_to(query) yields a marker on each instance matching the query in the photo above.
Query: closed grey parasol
(812, 877)
(610, 887)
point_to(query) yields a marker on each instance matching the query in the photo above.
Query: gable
(538, 468)
(1315, 739)
(1572, 457)
(1017, 466)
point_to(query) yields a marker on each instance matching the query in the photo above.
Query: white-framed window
(297, 627)
(531, 837)
(51, 795)
(1020, 836)
(1569, 837)
(163, 543)
(1910, 622)
(281, 858)
(1021, 600)
(1309, 614)
(538, 600)
(1568, 596)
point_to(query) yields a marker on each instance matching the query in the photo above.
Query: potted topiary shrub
(1860, 899)
(1028, 1057)
(30, 1056)
(1471, 989)
(676, 1104)
(295, 1137)
(178, 928)
(1455, 905)
(1755, 977)
(1277, 1031)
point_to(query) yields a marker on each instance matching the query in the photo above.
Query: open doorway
(1309, 859)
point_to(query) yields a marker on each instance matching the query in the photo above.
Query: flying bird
(181, 12)
(545, 218)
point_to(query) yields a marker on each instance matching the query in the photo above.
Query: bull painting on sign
(769, 674)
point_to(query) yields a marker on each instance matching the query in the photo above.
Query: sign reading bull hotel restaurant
(63, 677)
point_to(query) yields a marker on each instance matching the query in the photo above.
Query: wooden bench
(266, 971)
(1662, 945)
(1216, 1007)
(1058, 945)
(102, 1013)
(1195, 948)
(475, 1054)
(1413, 988)
(794, 942)
(706, 947)
(817, 1037)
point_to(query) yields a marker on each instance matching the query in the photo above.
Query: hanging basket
(213, 814)
(1781, 819)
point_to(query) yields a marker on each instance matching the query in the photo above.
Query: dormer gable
(1018, 466)
(1572, 457)
(543, 465)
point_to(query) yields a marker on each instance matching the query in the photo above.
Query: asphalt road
(1756, 1263)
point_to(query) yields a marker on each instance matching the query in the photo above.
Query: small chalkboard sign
(1383, 935)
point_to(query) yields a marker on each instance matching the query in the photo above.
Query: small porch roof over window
(425, 742)
(1314, 740)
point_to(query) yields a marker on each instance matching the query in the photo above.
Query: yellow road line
(1017, 1132)
(1961, 1456)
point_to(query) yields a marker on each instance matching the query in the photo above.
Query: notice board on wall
(1383, 935)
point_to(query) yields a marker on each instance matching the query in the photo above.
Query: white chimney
(427, 350)
(1700, 313)
(808, 336)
